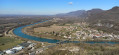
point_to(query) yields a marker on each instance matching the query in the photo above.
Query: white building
(18, 48)
(9, 52)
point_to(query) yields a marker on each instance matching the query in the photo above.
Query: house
(111, 36)
(65, 36)
(98, 36)
(18, 48)
(29, 42)
(32, 45)
(42, 43)
(83, 38)
(14, 50)
(9, 52)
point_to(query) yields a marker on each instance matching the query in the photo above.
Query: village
(90, 34)
(76, 31)
(86, 33)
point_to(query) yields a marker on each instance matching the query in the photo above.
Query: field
(52, 28)
(7, 42)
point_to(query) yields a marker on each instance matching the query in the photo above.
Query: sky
(51, 7)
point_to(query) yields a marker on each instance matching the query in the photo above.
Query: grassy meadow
(7, 42)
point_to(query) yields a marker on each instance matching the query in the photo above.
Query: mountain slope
(108, 20)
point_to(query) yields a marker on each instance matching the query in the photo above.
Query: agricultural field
(8, 42)
(51, 28)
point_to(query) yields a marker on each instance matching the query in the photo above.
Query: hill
(106, 20)
(76, 14)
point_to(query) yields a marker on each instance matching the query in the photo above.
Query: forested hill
(107, 20)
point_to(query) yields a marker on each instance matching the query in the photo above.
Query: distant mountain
(97, 15)
(111, 15)
(80, 13)
(94, 11)
(114, 9)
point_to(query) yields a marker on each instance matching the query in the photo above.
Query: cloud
(70, 3)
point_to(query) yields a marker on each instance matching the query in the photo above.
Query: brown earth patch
(52, 28)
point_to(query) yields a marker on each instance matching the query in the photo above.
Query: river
(18, 32)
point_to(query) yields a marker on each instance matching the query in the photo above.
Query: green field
(7, 42)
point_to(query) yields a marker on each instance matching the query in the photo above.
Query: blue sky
(46, 7)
